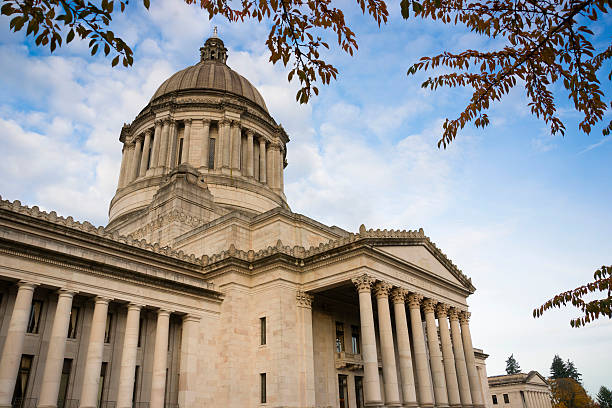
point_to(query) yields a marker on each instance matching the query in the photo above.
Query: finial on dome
(213, 49)
(215, 32)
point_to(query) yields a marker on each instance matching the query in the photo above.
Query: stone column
(462, 374)
(186, 141)
(381, 291)
(224, 131)
(306, 366)
(156, 144)
(371, 381)
(249, 153)
(435, 355)
(173, 134)
(10, 359)
(163, 146)
(236, 144)
(95, 348)
(281, 167)
(205, 143)
(452, 385)
(160, 360)
(403, 347)
(121, 181)
(128, 357)
(531, 403)
(262, 160)
(425, 392)
(145, 153)
(136, 158)
(188, 370)
(470, 360)
(55, 354)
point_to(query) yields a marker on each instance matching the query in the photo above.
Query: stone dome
(211, 73)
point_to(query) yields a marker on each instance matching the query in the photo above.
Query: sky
(524, 214)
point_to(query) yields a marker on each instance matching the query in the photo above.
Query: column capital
(187, 121)
(453, 313)
(382, 289)
(363, 283)
(135, 306)
(464, 317)
(27, 285)
(442, 310)
(275, 146)
(206, 122)
(63, 292)
(138, 138)
(429, 305)
(191, 318)
(398, 295)
(102, 299)
(167, 121)
(304, 299)
(158, 122)
(224, 122)
(262, 140)
(236, 123)
(250, 133)
(163, 312)
(414, 300)
(148, 132)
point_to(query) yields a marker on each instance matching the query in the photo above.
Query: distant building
(519, 391)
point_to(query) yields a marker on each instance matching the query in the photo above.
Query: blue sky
(523, 213)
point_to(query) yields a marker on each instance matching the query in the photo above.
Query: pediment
(536, 378)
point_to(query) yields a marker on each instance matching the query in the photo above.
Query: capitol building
(206, 290)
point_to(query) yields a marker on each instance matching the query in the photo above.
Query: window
(72, 323)
(262, 388)
(339, 337)
(359, 391)
(262, 330)
(180, 152)
(506, 399)
(107, 331)
(355, 340)
(64, 379)
(140, 331)
(211, 153)
(343, 390)
(494, 399)
(35, 313)
(21, 385)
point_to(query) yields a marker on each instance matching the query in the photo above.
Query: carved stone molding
(398, 295)
(382, 289)
(429, 305)
(414, 300)
(304, 299)
(442, 310)
(363, 283)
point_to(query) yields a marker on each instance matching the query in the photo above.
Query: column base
(442, 406)
(411, 404)
(455, 405)
(46, 406)
(426, 405)
(468, 406)
(393, 404)
(374, 404)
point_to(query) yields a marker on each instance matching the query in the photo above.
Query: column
(57, 346)
(271, 170)
(381, 291)
(452, 385)
(224, 131)
(530, 400)
(13, 344)
(136, 158)
(120, 183)
(249, 153)
(462, 374)
(262, 160)
(398, 296)
(281, 167)
(128, 357)
(93, 361)
(371, 382)
(173, 135)
(188, 370)
(236, 144)
(470, 361)
(435, 355)
(306, 374)
(156, 144)
(205, 143)
(186, 141)
(425, 394)
(160, 360)
(144, 160)
(163, 143)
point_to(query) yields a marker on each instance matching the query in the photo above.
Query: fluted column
(262, 160)
(435, 355)
(55, 354)
(450, 372)
(224, 134)
(306, 356)
(205, 142)
(371, 381)
(136, 158)
(186, 141)
(93, 361)
(381, 291)
(398, 296)
(13, 344)
(160, 360)
(128, 357)
(470, 360)
(156, 144)
(121, 181)
(145, 153)
(163, 147)
(281, 167)
(173, 135)
(425, 392)
(236, 144)
(249, 153)
(188, 370)
(461, 368)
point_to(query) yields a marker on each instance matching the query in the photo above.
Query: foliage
(604, 397)
(592, 310)
(560, 369)
(512, 366)
(572, 372)
(568, 393)
(544, 42)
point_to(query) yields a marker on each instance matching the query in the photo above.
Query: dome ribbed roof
(211, 75)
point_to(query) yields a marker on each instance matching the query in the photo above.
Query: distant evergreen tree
(572, 372)
(512, 366)
(558, 368)
(604, 397)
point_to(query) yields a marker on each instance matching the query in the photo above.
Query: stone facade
(205, 289)
(520, 391)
